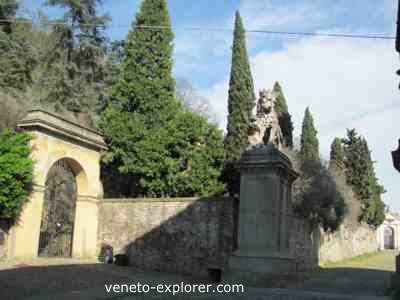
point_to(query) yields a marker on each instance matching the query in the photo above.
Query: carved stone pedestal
(263, 239)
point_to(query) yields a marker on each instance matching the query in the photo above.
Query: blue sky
(347, 83)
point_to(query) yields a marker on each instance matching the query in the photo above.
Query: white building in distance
(388, 232)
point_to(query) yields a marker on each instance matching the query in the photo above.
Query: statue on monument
(266, 178)
(264, 127)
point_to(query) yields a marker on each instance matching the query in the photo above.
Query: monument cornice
(266, 157)
(56, 125)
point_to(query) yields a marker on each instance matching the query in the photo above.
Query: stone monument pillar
(263, 238)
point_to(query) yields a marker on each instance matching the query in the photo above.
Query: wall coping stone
(171, 200)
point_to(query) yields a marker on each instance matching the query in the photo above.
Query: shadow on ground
(66, 281)
(47, 282)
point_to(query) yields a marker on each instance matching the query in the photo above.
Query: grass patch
(350, 261)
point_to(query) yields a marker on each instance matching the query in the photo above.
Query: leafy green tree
(241, 97)
(317, 196)
(195, 156)
(184, 158)
(309, 142)
(157, 148)
(285, 119)
(16, 169)
(337, 155)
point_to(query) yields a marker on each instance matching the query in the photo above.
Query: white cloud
(200, 51)
(264, 14)
(346, 83)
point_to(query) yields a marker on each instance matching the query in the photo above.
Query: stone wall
(193, 235)
(303, 244)
(175, 235)
(3, 240)
(347, 242)
(314, 247)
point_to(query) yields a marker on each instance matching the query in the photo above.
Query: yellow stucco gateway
(55, 139)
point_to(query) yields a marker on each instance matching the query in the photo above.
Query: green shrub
(182, 159)
(16, 172)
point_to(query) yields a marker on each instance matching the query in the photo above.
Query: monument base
(257, 271)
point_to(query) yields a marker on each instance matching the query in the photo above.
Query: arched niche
(389, 237)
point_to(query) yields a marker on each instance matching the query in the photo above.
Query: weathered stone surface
(313, 247)
(264, 127)
(185, 235)
(347, 242)
(263, 236)
(303, 244)
(192, 235)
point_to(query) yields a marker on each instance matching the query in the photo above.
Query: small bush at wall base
(121, 260)
(16, 173)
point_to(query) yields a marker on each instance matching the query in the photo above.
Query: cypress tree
(309, 142)
(156, 147)
(360, 174)
(337, 155)
(241, 95)
(146, 85)
(357, 165)
(285, 119)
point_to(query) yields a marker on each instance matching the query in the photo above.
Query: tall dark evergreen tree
(309, 142)
(241, 97)
(357, 167)
(75, 68)
(285, 119)
(156, 147)
(360, 174)
(16, 58)
(337, 155)
(373, 209)
(146, 85)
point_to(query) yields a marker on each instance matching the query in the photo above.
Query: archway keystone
(55, 139)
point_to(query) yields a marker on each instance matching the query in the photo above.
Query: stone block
(257, 271)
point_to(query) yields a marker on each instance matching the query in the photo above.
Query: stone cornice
(169, 200)
(58, 126)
